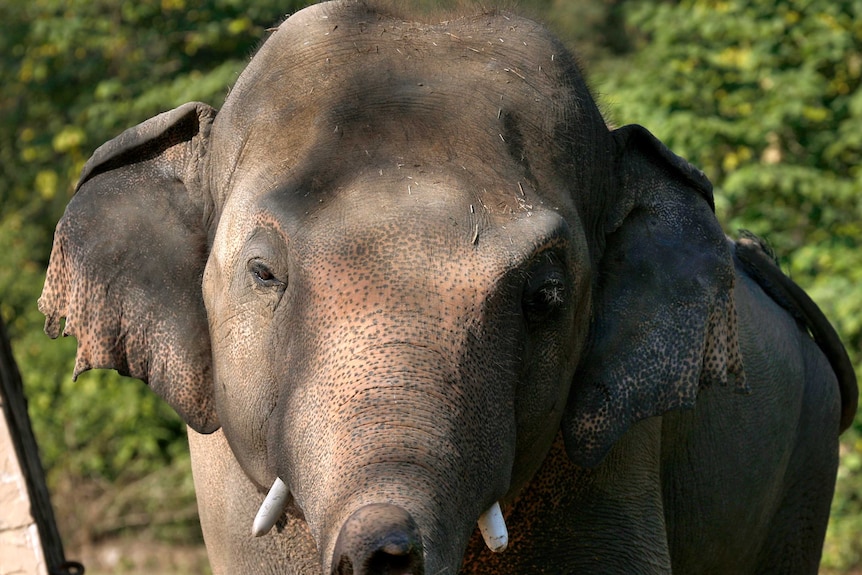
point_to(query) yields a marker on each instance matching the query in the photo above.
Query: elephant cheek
(244, 386)
(543, 392)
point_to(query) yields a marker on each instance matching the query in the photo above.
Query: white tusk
(271, 508)
(493, 528)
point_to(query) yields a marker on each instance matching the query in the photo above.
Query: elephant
(424, 311)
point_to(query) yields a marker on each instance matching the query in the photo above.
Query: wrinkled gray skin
(407, 269)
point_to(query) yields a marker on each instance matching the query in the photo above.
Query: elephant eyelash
(554, 293)
(545, 290)
(263, 274)
(545, 298)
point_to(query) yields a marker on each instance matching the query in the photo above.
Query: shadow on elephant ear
(664, 321)
(127, 261)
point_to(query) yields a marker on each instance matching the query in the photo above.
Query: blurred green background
(764, 96)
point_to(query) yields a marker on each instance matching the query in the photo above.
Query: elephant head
(391, 268)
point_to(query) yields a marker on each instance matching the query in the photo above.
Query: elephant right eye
(263, 274)
(545, 291)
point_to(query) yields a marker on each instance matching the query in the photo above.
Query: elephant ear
(664, 321)
(128, 258)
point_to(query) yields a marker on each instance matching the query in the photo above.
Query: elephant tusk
(271, 508)
(493, 528)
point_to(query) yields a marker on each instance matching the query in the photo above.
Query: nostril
(384, 563)
(398, 544)
(379, 539)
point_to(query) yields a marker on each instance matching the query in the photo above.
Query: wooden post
(29, 540)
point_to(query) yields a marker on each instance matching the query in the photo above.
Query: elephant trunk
(400, 461)
(387, 496)
(379, 539)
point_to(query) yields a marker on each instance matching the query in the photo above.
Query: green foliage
(594, 27)
(766, 99)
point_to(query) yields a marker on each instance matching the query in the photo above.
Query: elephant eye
(263, 275)
(545, 292)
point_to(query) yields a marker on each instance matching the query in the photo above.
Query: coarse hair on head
(439, 11)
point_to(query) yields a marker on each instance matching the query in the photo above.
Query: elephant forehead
(373, 256)
(339, 83)
(344, 32)
(390, 267)
(351, 70)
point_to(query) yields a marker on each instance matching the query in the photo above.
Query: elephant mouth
(398, 541)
